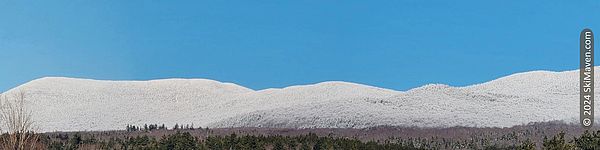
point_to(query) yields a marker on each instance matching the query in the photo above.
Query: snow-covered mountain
(69, 104)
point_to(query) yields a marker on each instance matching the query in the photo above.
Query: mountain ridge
(515, 99)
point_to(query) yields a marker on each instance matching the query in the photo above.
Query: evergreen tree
(179, 141)
(278, 146)
(526, 145)
(588, 140)
(557, 143)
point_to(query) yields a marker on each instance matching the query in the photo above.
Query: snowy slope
(68, 104)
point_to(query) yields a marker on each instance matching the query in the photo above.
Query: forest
(185, 137)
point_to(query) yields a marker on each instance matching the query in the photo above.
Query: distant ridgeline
(70, 104)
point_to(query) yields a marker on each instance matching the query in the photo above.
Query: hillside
(69, 104)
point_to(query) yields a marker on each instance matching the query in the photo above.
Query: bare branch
(17, 119)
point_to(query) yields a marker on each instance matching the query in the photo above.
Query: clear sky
(260, 44)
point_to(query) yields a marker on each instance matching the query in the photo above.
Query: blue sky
(261, 44)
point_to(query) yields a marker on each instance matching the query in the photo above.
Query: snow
(70, 104)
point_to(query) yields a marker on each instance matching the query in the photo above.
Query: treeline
(588, 140)
(155, 136)
(152, 127)
(185, 141)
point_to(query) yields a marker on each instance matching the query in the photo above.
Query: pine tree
(557, 143)
(588, 140)
(526, 145)
(278, 146)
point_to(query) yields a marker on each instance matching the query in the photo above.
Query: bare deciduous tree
(17, 120)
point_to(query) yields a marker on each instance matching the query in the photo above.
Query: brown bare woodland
(17, 120)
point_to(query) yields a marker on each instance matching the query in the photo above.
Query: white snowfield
(69, 104)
